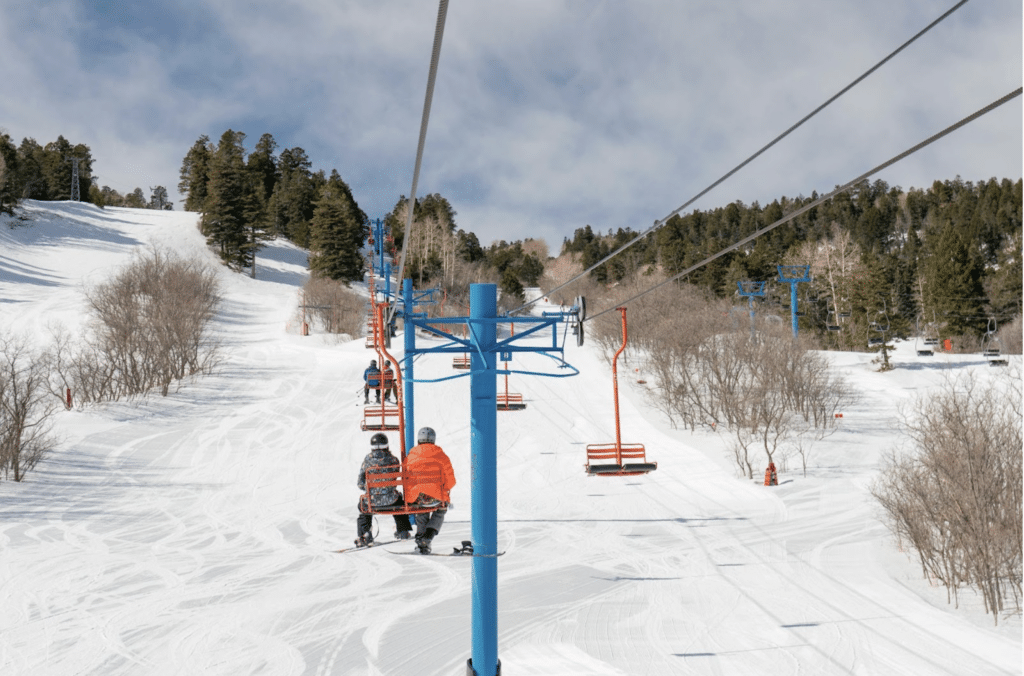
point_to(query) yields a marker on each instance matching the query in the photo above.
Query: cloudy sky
(548, 115)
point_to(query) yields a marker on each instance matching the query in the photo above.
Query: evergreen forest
(945, 260)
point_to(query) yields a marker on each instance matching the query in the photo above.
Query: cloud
(547, 115)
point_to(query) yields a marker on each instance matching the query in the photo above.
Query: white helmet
(426, 435)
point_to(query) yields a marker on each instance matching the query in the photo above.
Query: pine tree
(953, 282)
(337, 231)
(294, 198)
(10, 190)
(224, 212)
(195, 174)
(158, 199)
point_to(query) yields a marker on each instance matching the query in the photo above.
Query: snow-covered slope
(192, 534)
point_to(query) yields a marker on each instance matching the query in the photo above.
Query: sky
(547, 115)
(196, 533)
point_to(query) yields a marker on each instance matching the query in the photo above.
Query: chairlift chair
(832, 325)
(921, 343)
(992, 345)
(618, 459)
(461, 362)
(510, 401)
(407, 482)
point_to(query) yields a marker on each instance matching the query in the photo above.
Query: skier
(426, 456)
(371, 378)
(377, 461)
(389, 382)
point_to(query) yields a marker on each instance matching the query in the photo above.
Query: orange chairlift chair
(382, 416)
(618, 459)
(510, 401)
(408, 480)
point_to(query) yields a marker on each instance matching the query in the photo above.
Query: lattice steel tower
(76, 194)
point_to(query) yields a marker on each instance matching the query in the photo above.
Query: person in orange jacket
(428, 457)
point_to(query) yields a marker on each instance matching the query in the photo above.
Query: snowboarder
(389, 382)
(427, 456)
(377, 461)
(371, 378)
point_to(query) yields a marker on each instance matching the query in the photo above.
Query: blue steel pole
(379, 238)
(410, 345)
(750, 303)
(792, 305)
(387, 281)
(483, 304)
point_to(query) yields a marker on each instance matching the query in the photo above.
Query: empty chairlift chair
(618, 459)
(992, 347)
(510, 401)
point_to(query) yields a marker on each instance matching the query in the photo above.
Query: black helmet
(379, 441)
(426, 435)
(373, 362)
(387, 362)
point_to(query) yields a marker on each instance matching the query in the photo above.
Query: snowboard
(375, 544)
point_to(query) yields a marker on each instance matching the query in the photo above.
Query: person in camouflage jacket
(379, 460)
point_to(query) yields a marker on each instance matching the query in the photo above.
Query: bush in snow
(150, 329)
(25, 407)
(955, 497)
(332, 307)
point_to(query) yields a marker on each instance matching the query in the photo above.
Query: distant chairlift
(924, 348)
(510, 401)
(880, 325)
(992, 346)
(382, 416)
(618, 459)
(831, 323)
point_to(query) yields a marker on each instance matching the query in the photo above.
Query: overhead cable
(810, 205)
(661, 222)
(435, 56)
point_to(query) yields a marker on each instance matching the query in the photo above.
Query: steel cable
(435, 56)
(661, 222)
(785, 219)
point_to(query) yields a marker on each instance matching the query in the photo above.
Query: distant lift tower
(750, 290)
(793, 275)
(76, 195)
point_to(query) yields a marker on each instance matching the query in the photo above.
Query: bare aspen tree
(333, 307)
(26, 408)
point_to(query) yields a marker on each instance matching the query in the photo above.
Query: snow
(192, 534)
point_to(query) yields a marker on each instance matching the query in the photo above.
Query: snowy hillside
(192, 534)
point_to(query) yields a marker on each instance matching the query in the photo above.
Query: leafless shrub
(707, 368)
(149, 329)
(26, 408)
(1011, 337)
(332, 307)
(956, 496)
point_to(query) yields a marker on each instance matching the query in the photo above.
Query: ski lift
(507, 401)
(832, 324)
(461, 363)
(920, 343)
(881, 325)
(618, 459)
(382, 416)
(408, 481)
(992, 345)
